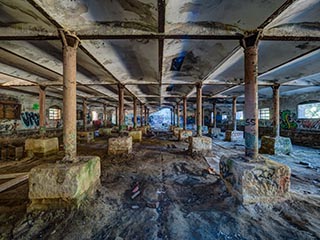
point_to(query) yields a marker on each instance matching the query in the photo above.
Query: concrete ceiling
(135, 42)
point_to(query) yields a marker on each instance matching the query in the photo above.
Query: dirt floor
(178, 199)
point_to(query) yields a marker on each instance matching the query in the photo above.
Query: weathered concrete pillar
(135, 112)
(199, 109)
(215, 115)
(250, 46)
(85, 112)
(178, 114)
(42, 110)
(174, 115)
(276, 110)
(185, 113)
(145, 115)
(141, 114)
(121, 106)
(105, 118)
(70, 46)
(117, 116)
(234, 113)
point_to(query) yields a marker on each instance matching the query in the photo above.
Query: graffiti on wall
(30, 119)
(289, 120)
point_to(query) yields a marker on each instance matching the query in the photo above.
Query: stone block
(120, 145)
(214, 131)
(232, 136)
(253, 182)
(199, 144)
(176, 131)
(105, 131)
(63, 184)
(275, 145)
(184, 134)
(136, 135)
(85, 136)
(42, 146)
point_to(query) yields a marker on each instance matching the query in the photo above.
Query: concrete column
(105, 118)
(121, 106)
(42, 109)
(234, 113)
(141, 114)
(199, 109)
(135, 112)
(250, 45)
(85, 112)
(174, 115)
(145, 115)
(276, 110)
(117, 116)
(70, 46)
(178, 115)
(185, 113)
(215, 115)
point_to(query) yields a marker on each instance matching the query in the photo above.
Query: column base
(214, 131)
(275, 145)
(105, 131)
(120, 145)
(42, 146)
(252, 182)
(136, 135)
(199, 144)
(184, 134)
(232, 136)
(176, 131)
(87, 136)
(63, 184)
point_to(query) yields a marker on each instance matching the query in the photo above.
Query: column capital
(42, 87)
(69, 39)
(199, 84)
(275, 86)
(251, 39)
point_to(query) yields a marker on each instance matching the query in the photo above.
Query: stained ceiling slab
(159, 49)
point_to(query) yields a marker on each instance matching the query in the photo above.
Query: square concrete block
(278, 145)
(214, 131)
(63, 184)
(176, 131)
(199, 144)
(232, 136)
(42, 146)
(120, 145)
(105, 131)
(136, 135)
(85, 136)
(252, 182)
(184, 134)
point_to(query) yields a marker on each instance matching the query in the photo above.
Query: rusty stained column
(42, 110)
(185, 113)
(276, 110)
(234, 113)
(70, 45)
(85, 113)
(199, 109)
(121, 106)
(135, 113)
(178, 114)
(105, 118)
(250, 45)
(145, 115)
(174, 115)
(141, 114)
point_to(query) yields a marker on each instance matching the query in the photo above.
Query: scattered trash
(135, 195)
(211, 170)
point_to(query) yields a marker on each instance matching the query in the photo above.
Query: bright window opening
(239, 115)
(309, 110)
(264, 113)
(54, 113)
